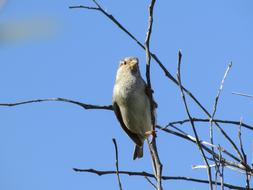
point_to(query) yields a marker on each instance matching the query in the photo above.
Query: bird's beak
(134, 65)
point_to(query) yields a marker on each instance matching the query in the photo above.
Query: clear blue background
(48, 50)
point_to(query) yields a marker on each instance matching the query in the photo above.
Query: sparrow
(131, 103)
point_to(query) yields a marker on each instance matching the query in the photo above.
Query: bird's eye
(123, 63)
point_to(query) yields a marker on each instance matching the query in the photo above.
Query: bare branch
(83, 105)
(202, 166)
(217, 166)
(233, 165)
(242, 94)
(216, 102)
(117, 162)
(204, 142)
(240, 170)
(130, 173)
(84, 7)
(221, 130)
(150, 181)
(219, 91)
(221, 172)
(244, 158)
(191, 121)
(208, 120)
(218, 126)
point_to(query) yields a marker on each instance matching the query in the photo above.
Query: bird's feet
(150, 133)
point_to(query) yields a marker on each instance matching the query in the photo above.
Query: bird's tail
(138, 152)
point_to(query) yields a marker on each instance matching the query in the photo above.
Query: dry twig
(230, 164)
(83, 105)
(150, 181)
(244, 156)
(181, 122)
(117, 162)
(217, 166)
(191, 121)
(242, 94)
(130, 173)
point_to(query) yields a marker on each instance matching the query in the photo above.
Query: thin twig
(192, 123)
(202, 166)
(84, 7)
(150, 181)
(214, 111)
(181, 122)
(244, 159)
(242, 94)
(240, 170)
(212, 116)
(233, 165)
(221, 171)
(117, 162)
(130, 173)
(204, 142)
(219, 92)
(83, 105)
(216, 102)
(222, 178)
(151, 151)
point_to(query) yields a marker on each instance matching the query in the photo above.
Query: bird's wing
(135, 137)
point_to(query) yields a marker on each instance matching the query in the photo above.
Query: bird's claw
(152, 132)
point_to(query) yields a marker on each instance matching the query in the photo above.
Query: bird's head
(128, 67)
(130, 64)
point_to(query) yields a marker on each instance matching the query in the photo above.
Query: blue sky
(48, 50)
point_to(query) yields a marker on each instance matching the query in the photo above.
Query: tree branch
(150, 181)
(242, 94)
(244, 158)
(191, 121)
(203, 144)
(83, 105)
(181, 122)
(217, 165)
(130, 173)
(117, 162)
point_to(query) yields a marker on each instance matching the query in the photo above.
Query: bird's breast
(134, 105)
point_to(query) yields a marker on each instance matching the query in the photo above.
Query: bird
(131, 103)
